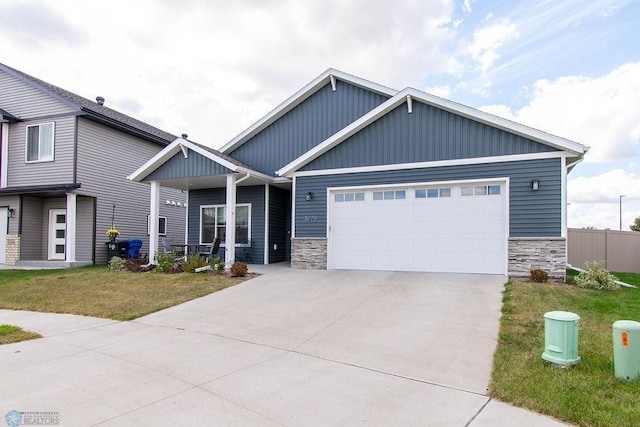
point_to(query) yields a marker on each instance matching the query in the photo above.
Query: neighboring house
(349, 174)
(64, 161)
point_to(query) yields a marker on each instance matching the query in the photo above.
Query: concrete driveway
(291, 347)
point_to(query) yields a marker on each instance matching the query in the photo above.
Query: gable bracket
(409, 104)
(333, 82)
(185, 151)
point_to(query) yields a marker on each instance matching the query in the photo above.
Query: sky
(211, 68)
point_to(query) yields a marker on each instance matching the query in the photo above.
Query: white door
(57, 233)
(459, 228)
(3, 235)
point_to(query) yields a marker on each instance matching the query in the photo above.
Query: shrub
(164, 262)
(194, 261)
(133, 265)
(238, 269)
(176, 268)
(217, 264)
(596, 277)
(538, 275)
(116, 264)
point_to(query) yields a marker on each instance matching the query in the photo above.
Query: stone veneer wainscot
(309, 253)
(12, 249)
(546, 253)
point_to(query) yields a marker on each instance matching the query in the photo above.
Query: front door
(57, 233)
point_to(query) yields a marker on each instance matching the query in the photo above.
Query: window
(213, 220)
(432, 193)
(390, 195)
(481, 190)
(349, 197)
(162, 225)
(40, 143)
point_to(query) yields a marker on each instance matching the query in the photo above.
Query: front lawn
(10, 334)
(587, 394)
(95, 291)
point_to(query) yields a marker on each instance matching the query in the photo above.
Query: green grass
(10, 334)
(587, 394)
(95, 291)
(629, 278)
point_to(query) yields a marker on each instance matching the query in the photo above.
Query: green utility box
(561, 338)
(626, 349)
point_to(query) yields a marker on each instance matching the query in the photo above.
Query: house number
(310, 218)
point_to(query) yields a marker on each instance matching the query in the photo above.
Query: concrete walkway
(291, 347)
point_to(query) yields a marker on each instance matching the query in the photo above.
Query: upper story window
(40, 143)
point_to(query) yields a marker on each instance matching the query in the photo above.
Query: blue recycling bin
(133, 249)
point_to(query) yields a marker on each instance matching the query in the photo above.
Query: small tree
(636, 225)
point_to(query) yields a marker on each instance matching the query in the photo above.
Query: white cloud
(600, 112)
(443, 91)
(595, 201)
(488, 40)
(212, 68)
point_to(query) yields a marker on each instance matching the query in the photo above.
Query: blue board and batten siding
(305, 126)
(531, 213)
(216, 196)
(194, 165)
(427, 134)
(279, 224)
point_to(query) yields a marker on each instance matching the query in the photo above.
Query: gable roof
(329, 76)
(407, 96)
(184, 145)
(94, 110)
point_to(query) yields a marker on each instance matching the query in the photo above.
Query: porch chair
(169, 248)
(212, 250)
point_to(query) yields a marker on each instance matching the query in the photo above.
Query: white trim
(507, 197)
(266, 224)
(293, 208)
(4, 155)
(418, 184)
(333, 82)
(154, 211)
(434, 164)
(186, 219)
(297, 98)
(563, 198)
(71, 226)
(563, 144)
(53, 143)
(409, 104)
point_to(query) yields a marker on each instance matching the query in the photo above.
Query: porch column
(154, 211)
(70, 250)
(230, 240)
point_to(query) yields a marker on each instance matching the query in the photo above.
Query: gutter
(626, 285)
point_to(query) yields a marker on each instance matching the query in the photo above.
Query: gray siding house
(350, 174)
(63, 166)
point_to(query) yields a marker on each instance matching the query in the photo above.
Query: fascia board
(297, 98)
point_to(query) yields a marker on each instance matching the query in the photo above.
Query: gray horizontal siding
(32, 223)
(84, 229)
(194, 165)
(531, 213)
(427, 134)
(314, 120)
(217, 196)
(60, 171)
(25, 101)
(105, 158)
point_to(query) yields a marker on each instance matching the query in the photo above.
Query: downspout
(238, 181)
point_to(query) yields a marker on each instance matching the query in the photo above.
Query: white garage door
(458, 228)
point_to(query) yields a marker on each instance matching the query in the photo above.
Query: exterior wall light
(309, 195)
(10, 212)
(535, 185)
